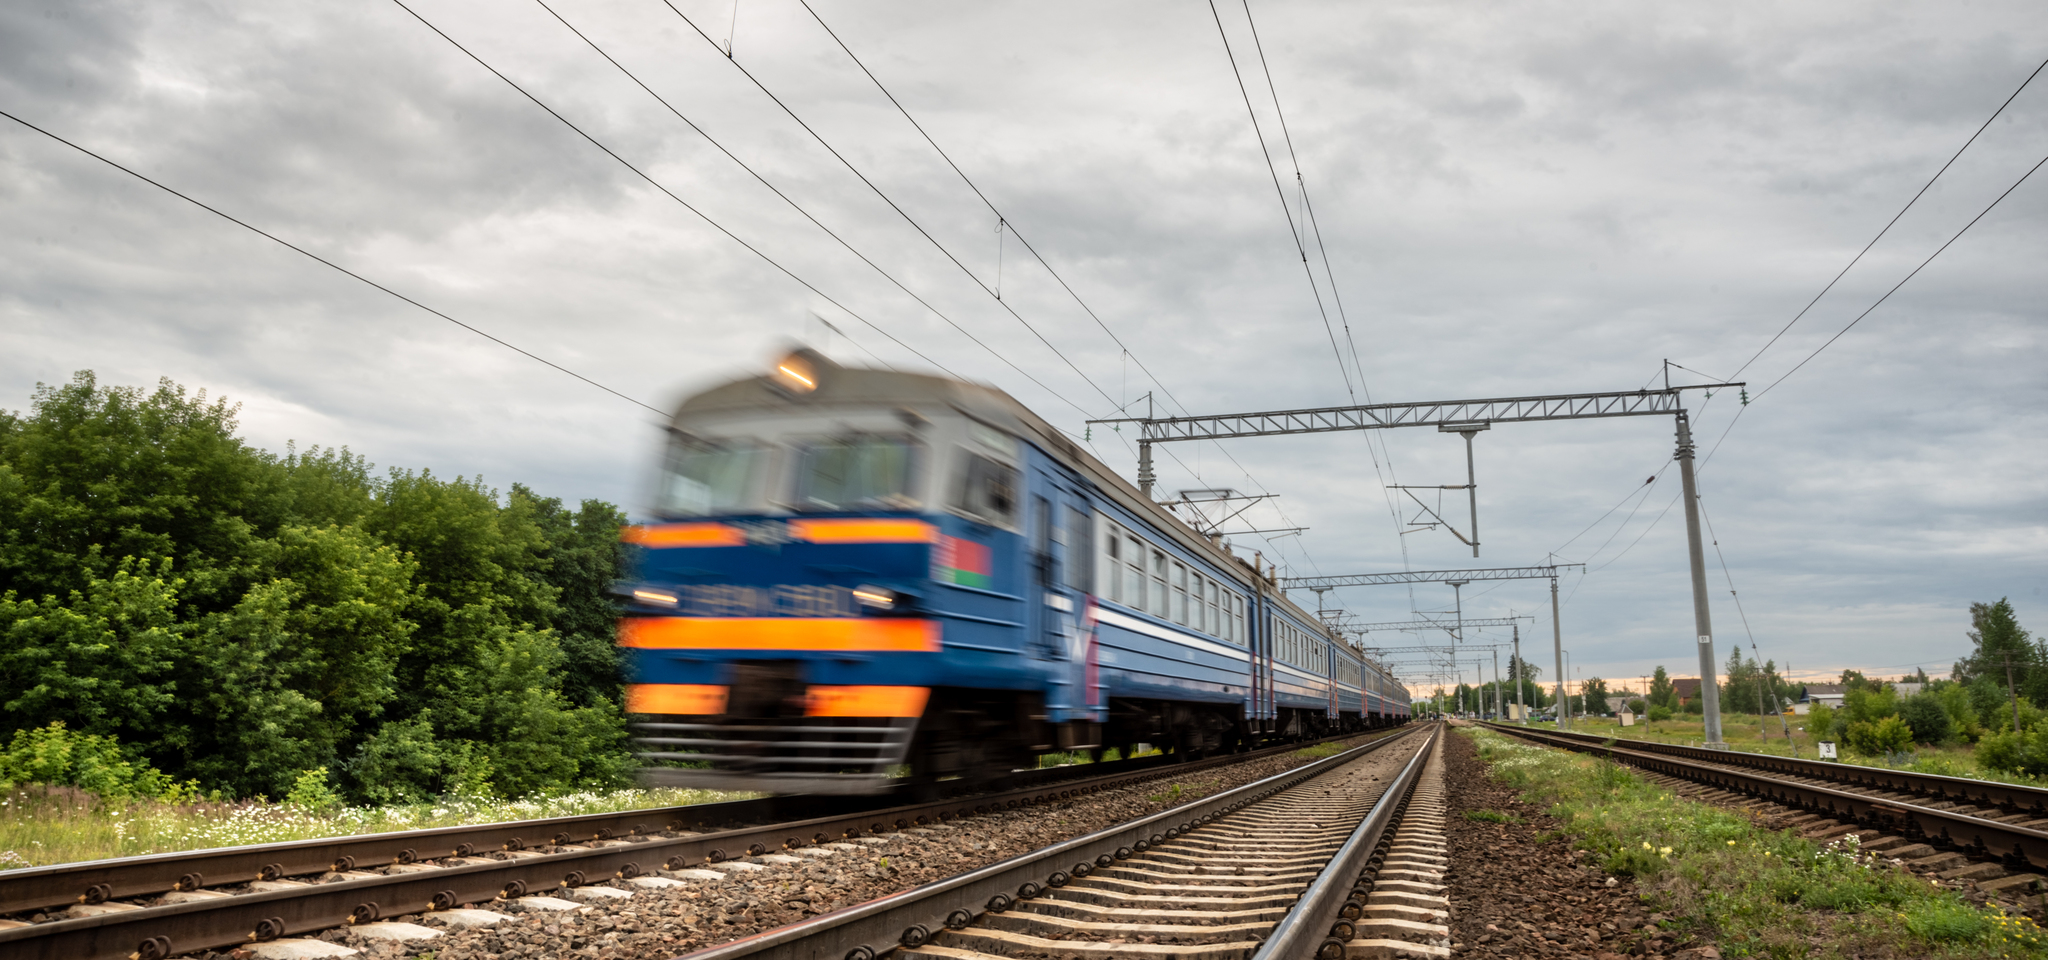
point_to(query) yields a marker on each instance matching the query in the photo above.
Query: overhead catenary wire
(666, 191)
(1867, 310)
(1895, 218)
(1010, 226)
(302, 251)
(907, 218)
(1273, 172)
(1296, 232)
(1313, 226)
(799, 208)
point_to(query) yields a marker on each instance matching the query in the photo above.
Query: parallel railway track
(1333, 859)
(1932, 823)
(182, 908)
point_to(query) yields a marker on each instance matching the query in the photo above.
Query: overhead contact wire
(1895, 217)
(665, 190)
(1026, 242)
(708, 138)
(907, 218)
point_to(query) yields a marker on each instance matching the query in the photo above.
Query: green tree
(1923, 712)
(2004, 654)
(1662, 693)
(243, 618)
(1592, 696)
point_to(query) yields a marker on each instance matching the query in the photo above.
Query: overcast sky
(1514, 199)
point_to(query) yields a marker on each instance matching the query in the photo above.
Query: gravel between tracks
(703, 912)
(1516, 896)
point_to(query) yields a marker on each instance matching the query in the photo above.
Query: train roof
(835, 385)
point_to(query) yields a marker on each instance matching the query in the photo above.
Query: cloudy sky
(1514, 199)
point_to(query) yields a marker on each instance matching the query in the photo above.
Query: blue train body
(853, 572)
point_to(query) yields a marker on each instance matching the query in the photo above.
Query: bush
(1930, 722)
(1638, 706)
(1820, 721)
(1886, 736)
(1659, 713)
(311, 793)
(2021, 753)
(55, 756)
(1695, 706)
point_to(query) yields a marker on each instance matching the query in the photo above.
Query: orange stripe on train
(780, 633)
(863, 530)
(684, 535)
(866, 701)
(697, 699)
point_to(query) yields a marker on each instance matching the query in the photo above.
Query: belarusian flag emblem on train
(964, 562)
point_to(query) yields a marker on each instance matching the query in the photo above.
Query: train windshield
(856, 472)
(703, 478)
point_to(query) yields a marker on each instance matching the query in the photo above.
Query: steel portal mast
(1467, 417)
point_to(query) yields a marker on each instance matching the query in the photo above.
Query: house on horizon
(1812, 693)
(1686, 688)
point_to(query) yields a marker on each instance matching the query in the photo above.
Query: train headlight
(797, 372)
(660, 598)
(879, 598)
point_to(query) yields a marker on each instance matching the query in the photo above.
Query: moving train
(853, 574)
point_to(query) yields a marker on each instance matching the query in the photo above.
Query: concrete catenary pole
(1496, 683)
(1520, 707)
(1703, 624)
(1557, 649)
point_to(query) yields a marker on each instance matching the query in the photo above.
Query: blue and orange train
(855, 574)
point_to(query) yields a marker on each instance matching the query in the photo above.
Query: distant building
(1687, 689)
(1907, 689)
(1828, 693)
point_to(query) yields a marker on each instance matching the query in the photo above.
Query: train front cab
(853, 585)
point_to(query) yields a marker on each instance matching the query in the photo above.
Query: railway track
(146, 908)
(1994, 835)
(1339, 858)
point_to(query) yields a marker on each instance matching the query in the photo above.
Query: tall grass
(1754, 892)
(46, 825)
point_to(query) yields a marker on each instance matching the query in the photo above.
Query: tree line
(240, 620)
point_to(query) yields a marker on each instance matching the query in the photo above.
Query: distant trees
(1662, 692)
(239, 618)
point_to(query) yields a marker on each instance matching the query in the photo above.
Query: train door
(1062, 545)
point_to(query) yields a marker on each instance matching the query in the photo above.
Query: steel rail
(911, 918)
(60, 885)
(1319, 926)
(2010, 797)
(150, 933)
(1976, 836)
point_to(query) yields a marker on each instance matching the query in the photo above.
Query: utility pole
(1569, 711)
(1703, 623)
(1496, 683)
(1521, 708)
(1557, 648)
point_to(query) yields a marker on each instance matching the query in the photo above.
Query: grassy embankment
(40, 826)
(1753, 892)
(1954, 760)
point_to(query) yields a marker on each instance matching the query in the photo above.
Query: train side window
(1113, 563)
(988, 490)
(1080, 552)
(1134, 573)
(1201, 599)
(1180, 592)
(1160, 597)
(1209, 592)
